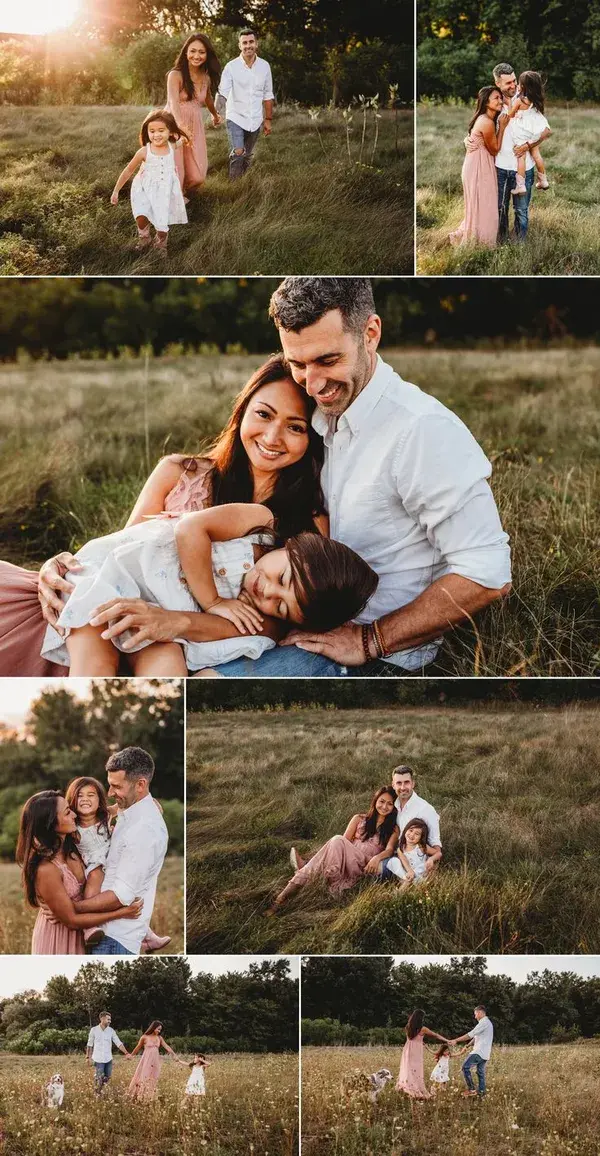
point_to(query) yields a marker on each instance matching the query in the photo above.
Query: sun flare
(37, 17)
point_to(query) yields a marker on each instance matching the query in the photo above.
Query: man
(482, 1035)
(506, 162)
(405, 485)
(410, 806)
(137, 851)
(99, 1050)
(247, 87)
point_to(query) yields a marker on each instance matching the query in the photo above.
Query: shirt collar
(360, 409)
(414, 798)
(136, 811)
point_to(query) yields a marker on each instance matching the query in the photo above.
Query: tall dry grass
(541, 1102)
(519, 800)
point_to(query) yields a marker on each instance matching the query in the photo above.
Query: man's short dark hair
(503, 70)
(302, 301)
(403, 770)
(480, 1007)
(104, 1013)
(247, 32)
(134, 761)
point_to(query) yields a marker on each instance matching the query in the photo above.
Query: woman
(367, 840)
(268, 452)
(480, 183)
(192, 86)
(146, 1076)
(54, 877)
(411, 1078)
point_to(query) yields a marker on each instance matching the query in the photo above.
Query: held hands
(217, 120)
(245, 618)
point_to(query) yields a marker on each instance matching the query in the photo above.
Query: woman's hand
(245, 618)
(51, 579)
(217, 120)
(148, 623)
(372, 867)
(132, 911)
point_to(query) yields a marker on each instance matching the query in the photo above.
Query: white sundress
(156, 191)
(441, 1072)
(94, 843)
(417, 859)
(142, 562)
(196, 1085)
(528, 124)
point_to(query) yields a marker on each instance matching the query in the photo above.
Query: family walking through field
(502, 158)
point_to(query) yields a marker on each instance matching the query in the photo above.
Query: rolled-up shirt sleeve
(116, 1041)
(268, 85)
(226, 82)
(90, 1042)
(136, 865)
(441, 474)
(433, 828)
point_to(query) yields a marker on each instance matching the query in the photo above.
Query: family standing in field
(411, 1078)
(91, 869)
(172, 162)
(287, 547)
(502, 158)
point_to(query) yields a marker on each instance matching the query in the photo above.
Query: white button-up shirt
(483, 1037)
(405, 486)
(505, 157)
(101, 1040)
(418, 808)
(244, 89)
(137, 850)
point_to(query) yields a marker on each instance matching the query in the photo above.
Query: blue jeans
(240, 138)
(474, 1061)
(109, 946)
(103, 1072)
(292, 662)
(507, 179)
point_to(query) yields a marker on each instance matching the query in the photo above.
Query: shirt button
(247, 566)
(222, 571)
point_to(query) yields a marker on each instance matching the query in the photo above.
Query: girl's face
(158, 133)
(413, 836)
(274, 428)
(87, 802)
(196, 54)
(269, 587)
(66, 820)
(495, 102)
(384, 805)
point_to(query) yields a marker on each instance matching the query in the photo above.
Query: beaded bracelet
(365, 641)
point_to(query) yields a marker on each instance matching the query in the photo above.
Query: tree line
(357, 1000)
(65, 737)
(251, 1011)
(108, 317)
(460, 44)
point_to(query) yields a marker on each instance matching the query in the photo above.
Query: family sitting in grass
(502, 157)
(397, 839)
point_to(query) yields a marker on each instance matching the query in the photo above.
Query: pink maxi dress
(51, 937)
(22, 626)
(411, 1078)
(340, 862)
(480, 187)
(145, 1079)
(191, 162)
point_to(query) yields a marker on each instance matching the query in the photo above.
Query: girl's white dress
(417, 859)
(156, 191)
(93, 845)
(142, 562)
(195, 1085)
(527, 125)
(441, 1072)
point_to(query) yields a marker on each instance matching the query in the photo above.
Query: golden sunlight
(37, 17)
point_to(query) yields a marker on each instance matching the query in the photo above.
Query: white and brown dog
(54, 1092)
(356, 1082)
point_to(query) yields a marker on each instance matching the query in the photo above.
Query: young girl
(221, 560)
(156, 196)
(88, 799)
(440, 1075)
(196, 1085)
(413, 853)
(529, 122)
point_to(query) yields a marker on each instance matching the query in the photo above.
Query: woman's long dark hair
(297, 496)
(531, 86)
(212, 66)
(387, 827)
(424, 829)
(155, 1024)
(483, 97)
(38, 840)
(415, 1023)
(76, 785)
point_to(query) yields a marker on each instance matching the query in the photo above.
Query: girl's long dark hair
(443, 1048)
(483, 97)
(175, 132)
(531, 86)
(38, 840)
(415, 1023)
(424, 829)
(72, 792)
(387, 827)
(297, 495)
(212, 66)
(155, 1024)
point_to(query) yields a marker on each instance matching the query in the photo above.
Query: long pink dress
(192, 161)
(480, 187)
(51, 937)
(411, 1078)
(340, 862)
(22, 626)
(146, 1076)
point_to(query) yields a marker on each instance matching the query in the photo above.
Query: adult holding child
(191, 87)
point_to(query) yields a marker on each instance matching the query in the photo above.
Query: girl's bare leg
(93, 886)
(538, 160)
(159, 659)
(208, 673)
(90, 654)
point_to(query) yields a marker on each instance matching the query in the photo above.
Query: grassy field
(307, 207)
(540, 1103)
(250, 1106)
(534, 412)
(17, 919)
(519, 797)
(564, 233)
